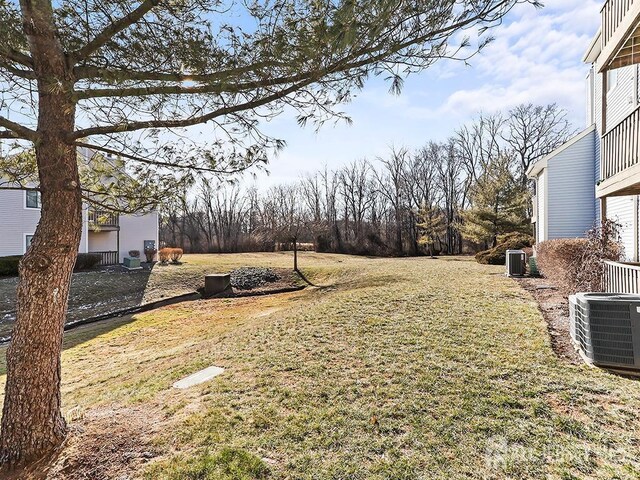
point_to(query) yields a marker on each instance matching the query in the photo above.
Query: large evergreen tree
(499, 203)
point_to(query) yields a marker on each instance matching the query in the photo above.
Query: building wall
(623, 210)
(621, 99)
(103, 241)
(134, 230)
(598, 123)
(84, 240)
(18, 221)
(571, 190)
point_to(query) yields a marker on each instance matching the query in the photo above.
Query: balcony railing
(103, 219)
(107, 258)
(621, 146)
(622, 278)
(613, 13)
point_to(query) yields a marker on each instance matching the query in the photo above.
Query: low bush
(9, 265)
(87, 261)
(164, 255)
(176, 255)
(577, 265)
(170, 254)
(509, 241)
(559, 260)
(134, 253)
(84, 261)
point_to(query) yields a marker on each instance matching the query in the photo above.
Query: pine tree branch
(15, 130)
(195, 120)
(230, 87)
(159, 163)
(123, 74)
(14, 55)
(113, 29)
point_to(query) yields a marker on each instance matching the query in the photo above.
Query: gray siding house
(597, 174)
(565, 202)
(108, 234)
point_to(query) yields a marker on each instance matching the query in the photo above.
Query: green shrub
(509, 241)
(87, 261)
(9, 265)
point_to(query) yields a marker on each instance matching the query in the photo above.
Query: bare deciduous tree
(534, 131)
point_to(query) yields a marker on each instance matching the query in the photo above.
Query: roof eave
(594, 50)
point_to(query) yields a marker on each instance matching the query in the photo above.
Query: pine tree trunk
(32, 422)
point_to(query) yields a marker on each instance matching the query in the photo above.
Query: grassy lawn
(393, 369)
(109, 290)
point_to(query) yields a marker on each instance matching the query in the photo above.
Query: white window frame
(612, 80)
(26, 207)
(24, 241)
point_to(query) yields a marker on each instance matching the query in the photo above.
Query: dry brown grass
(396, 368)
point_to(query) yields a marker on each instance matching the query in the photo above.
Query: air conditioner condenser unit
(516, 263)
(605, 327)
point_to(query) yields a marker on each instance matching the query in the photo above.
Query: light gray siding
(17, 221)
(571, 191)
(135, 229)
(620, 99)
(621, 210)
(590, 100)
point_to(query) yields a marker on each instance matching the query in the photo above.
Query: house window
(27, 242)
(34, 199)
(612, 80)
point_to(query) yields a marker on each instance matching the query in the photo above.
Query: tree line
(446, 197)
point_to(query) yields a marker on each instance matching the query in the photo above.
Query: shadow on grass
(305, 279)
(93, 293)
(78, 336)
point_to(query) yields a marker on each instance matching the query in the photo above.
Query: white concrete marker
(198, 377)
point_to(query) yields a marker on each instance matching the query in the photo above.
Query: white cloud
(536, 57)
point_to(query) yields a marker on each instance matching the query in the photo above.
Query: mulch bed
(555, 310)
(254, 281)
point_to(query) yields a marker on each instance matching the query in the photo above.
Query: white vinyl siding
(590, 98)
(620, 99)
(571, 190)
(17, 221)
(134, 230)
(621, 210)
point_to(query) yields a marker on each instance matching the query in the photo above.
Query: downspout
(635, 228)
(118, 242)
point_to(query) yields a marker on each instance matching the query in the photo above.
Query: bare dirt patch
(555, 310)
(109, 442)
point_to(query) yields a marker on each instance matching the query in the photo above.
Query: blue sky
(536, 57)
